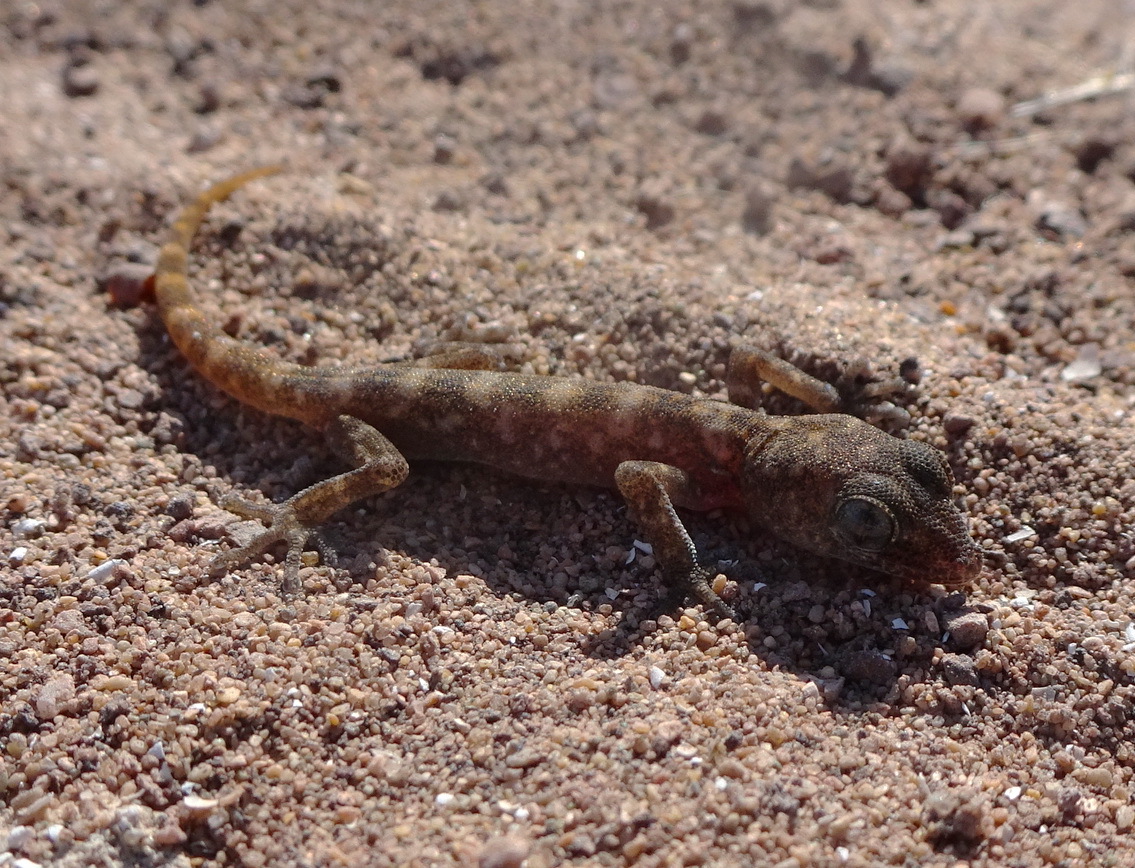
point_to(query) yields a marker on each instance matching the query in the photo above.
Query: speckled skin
(830, 483)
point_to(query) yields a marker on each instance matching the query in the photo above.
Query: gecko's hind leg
(379, 466)
(859, 392)
(749, 366)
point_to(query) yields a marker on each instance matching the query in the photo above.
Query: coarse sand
(618, 191)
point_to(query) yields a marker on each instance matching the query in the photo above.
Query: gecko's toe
(726, 612)
(237, 505)
(700, 584)
(284, 526)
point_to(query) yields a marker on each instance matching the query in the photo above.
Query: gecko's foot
(699, 584)
(876, 397)
(283, 526)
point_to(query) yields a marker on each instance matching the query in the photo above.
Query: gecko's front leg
(650, 489)
(379, 466)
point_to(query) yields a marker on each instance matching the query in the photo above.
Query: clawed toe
(237, 505)
(283, 526)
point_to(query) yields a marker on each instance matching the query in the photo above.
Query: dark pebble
(180, 507)
(127, 283)
(957, 424)
(658, 211)
(908, 165)
(871, 667)
(968, 629)
(80, 79)
(959, 669)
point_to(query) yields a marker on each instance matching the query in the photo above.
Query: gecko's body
(830, 483)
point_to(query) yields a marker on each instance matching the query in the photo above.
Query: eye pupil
(864, 524)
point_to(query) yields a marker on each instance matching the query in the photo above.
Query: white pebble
(104, 570)
(19, 836)
(1085, 366)
(198, 804)
(28, 528)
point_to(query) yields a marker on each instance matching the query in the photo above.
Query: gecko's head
(841, 488)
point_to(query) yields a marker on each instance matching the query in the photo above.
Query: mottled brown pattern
(829, 483)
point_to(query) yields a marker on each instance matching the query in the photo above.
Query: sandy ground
(620, 190)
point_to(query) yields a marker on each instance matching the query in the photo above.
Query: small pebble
(681, 44)
(19, 836)
(959, 669)
(106, 569)
(1092, 151)
(979, 108)
(128, 283)
(712, 123)
(53, 696)
(871, 667)
(180, 507)
(28, 528)
(657, 210)
(80, 79)
(444, 149)
(757, 217)
(1085, 366)
(956, 424)
(208, 99)
(908, 165)
(507, 851)
(199, 805)
(967, 629)
(834, 178)
(1059, 218)
(449, 200)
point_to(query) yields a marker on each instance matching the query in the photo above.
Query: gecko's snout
(961, 570)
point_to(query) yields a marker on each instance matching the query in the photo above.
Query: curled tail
(249, 374)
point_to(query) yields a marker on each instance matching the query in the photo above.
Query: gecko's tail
(175, 252)
(247, 373)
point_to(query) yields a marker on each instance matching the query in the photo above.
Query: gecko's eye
(863, 524)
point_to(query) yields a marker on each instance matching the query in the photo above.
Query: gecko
(827, 482)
